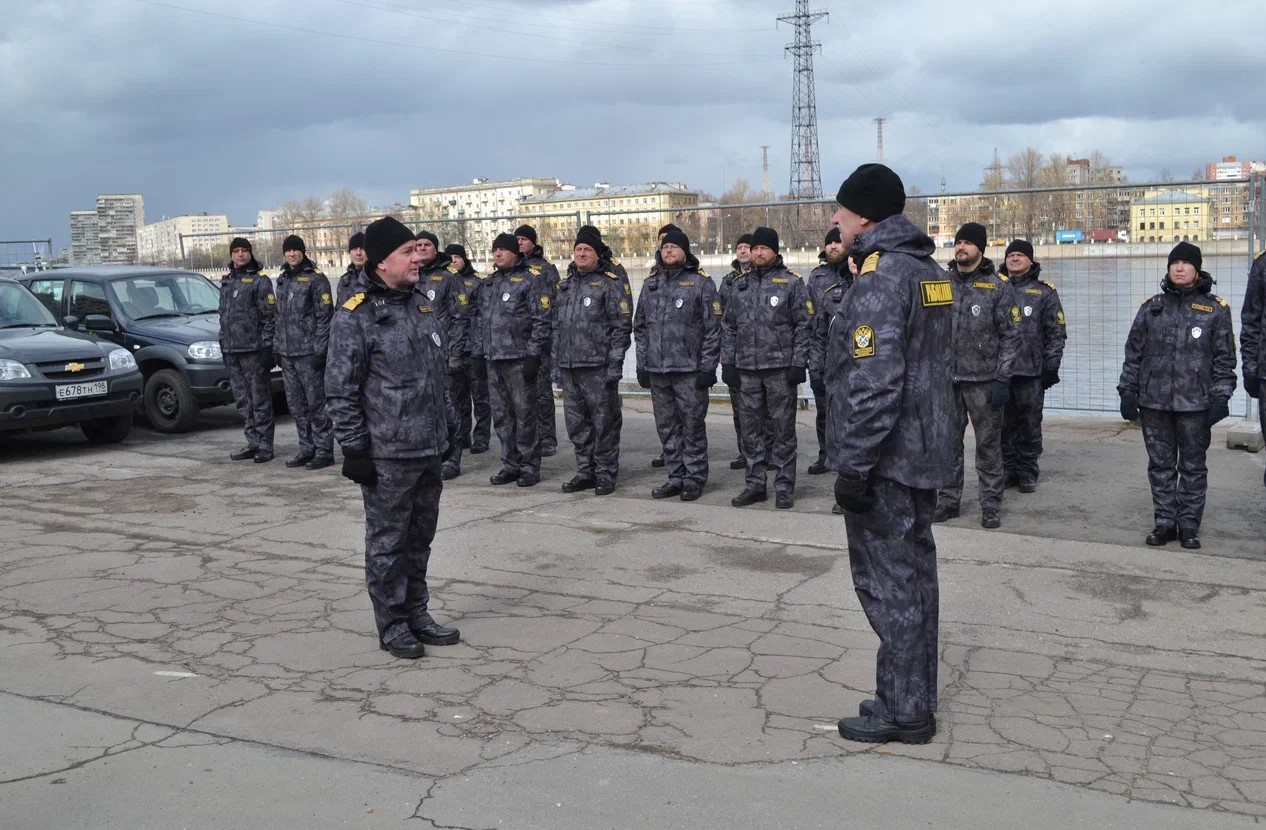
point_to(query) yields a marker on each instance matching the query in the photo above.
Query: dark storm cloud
(235, 106)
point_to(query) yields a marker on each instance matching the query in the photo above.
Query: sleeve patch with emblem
(624, 306)
(1059, 317)
(870, 264)
(716, 308)
(545, 301)
(462, 299)
(325, 298)
(863, 342)
(937, 292)
(1015, 314)
(271, 298)
(809, 309)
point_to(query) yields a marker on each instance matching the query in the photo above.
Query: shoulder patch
(1049, 284)
(1260, 254)
(1059, 317)
(809, 309)
(354, 301)
(270, 298)
(325, 298)
(701, 272)
(1221, 301)
(1015, 314)
(716, 308)
(545, 302)
(869, 264)
(1004, 278)
(863, 342)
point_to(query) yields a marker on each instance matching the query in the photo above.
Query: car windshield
(20, 309)
(165, 295)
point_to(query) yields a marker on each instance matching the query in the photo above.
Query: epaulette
(451, 269)
(535, 269)
(701, 272)
(1259, 255)
(1048, 284)
(613, 275)
(1149, 299)
(869, 264)
(1003, 277)
(1221, 301)
(318, 272)
(354, 301)
(615, 262)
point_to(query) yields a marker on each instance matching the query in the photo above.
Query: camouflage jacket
(737, 269)
(986, 324)
(829, 298)
(348, 284)
(386, 375)
(1252, 320)
(304, 309)
(444, 288)
(248, 310)
(542, 268)
(513, 317)
(769, 320)
(1180, 353)
(893, 333)
(1042, 328)
(592, 321)
(471, 281)
(677, 322)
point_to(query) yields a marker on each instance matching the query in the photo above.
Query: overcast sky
(230, 106)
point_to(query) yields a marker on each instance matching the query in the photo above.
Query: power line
(806, 172)
(465, 53)
(604, 26)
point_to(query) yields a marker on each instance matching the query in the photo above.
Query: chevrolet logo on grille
(75, 367)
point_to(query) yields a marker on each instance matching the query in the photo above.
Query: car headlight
(121, 359)
(205, 350)
(12, 370)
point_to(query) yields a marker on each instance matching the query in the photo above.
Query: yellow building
(1171, 216)
(628, 215)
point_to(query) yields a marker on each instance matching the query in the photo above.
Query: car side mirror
(99, 322)
(71, 321)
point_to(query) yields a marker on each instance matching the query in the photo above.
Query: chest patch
(780, 280)
(1207, 309)
(1196, 331)
(1036, 291)
(975, 311)
(773, 302)
(988, 286)
(587, 301)
(678, 302)
(435, 338)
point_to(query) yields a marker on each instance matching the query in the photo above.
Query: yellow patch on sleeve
(1059, 317)
(271, 298)
(535, 269)
(624, 307)
(354, 301)
(628, 290)
(325, 298)
(937, 292)
(863, 342)
(869, 264)
(1015, 314)
(716, 308)
(809, 309)
(545, 301)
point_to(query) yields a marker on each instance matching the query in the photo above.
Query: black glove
(818, 386)
(853, 493)
(1049, 378)
(706, 380)
(643, 378)
(1129, 406)
(480, 367)
(359, 467)
(796, 375)
(531, 367)
(729, 374)
(1253, 386)
(268, 358)
(999, 394)
(1217, 411)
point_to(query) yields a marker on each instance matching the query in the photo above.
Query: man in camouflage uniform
(1036, 367)
(626, 289)
(1252, 343)
(826, 362)
(832, 271)
(592, 321)
(509, 333)
(986, 340)
(894, 331)
(741, 264)
(468, 390)
(248, 318)
(1178, 375)
(439, 281)
(765, 336)
(349, 282)
(677, 331)
(304, 309)
(541, 269)
(658, 461)
(391, 415)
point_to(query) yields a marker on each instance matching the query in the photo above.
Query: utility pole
(806, 173)
(879, 139)
(764, 178)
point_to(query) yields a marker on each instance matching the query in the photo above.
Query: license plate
(70, 391)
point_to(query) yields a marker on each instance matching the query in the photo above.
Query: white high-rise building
(84, 247)
(159, 243)
(119, 217)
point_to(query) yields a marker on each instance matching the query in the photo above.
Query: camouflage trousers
(251, 382)
(738, 429)
(304, 379)
(401, 514)
(818, 387)
(893, 559)
(1022, 429)
(514, 416)
(1176, 445)
(767, 405)
(971, 401)
(681, 412)
(470, 395)
(546, 429)
(590, 407)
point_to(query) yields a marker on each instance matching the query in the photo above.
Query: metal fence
(1104, 247)
(23, 255)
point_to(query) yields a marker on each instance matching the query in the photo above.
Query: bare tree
(1024, 172)
(346, 204)
(1167, 175)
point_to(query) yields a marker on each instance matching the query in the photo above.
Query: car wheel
(107, 430)
(169, 403)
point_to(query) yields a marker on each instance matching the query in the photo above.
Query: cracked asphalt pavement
(185, 641)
